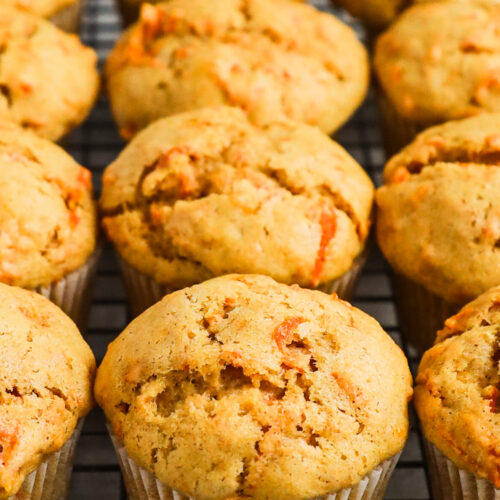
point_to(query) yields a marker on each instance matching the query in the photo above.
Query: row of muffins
(207, 193)
(267, 391)
(176, 59)
(137, 195)
(249, 192)
(180, 57)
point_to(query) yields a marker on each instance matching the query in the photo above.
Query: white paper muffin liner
(421, 313)
(143, 291)
(50, 480)
(73, 293)
(69, 17)
(142, 485)
(449, 482)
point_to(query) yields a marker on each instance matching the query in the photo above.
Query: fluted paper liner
(449, 482)
(397, 131)
(50, 480)
(73, 293)
(142, 485)
(420, 313)
(144, 291)
(69, 17)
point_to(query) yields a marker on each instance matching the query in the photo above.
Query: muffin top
(48, 79)
(457, 387)
(47, 214)
(43, 8)
(440, 61)
(243, 387)
(46, 376)
(273, 59)
(438, 218)
(206, 193)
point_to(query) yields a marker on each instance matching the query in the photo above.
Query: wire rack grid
(95, 144)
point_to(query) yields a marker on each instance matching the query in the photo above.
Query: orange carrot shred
(283, 333)
(328, 223)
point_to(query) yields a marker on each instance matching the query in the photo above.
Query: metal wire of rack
(95, 144)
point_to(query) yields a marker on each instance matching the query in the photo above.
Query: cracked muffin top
(43, 8)
(48, 79)
(48, 219)
(46, 376)
(440, 61)
(457, 387)
(272, 59)
(438, 217)
(206, 193)
(243, 387)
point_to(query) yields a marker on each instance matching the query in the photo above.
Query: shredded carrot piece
(328, 223)
(401, 174)
(493, 398)
(283, 333)
(26, 87)
(8, 441)
(74, 219)
(84, 177)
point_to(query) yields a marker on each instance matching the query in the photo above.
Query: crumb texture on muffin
(43, 8)
(439, 61)
(47, 214)
(48, 79)
(272, 59)
(457, 388)
(206, 192)
(438, 214)
(244, 387)
(46, 376)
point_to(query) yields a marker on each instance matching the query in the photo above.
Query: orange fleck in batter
(328, 222)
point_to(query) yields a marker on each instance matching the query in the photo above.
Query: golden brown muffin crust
(48, 220)
(272, 59)
(48, 79)
(205, 193)
(438, 219)
(457, 388)
(242, 386)
(46, 376)
(440, 61)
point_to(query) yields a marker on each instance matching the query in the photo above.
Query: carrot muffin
(243, 387)
(63, 13)
(438, 222)
(48, 79)
(456, 397)
(206, 193)
(438, 62)
(48, 220)
(46, 376)
(273, 59)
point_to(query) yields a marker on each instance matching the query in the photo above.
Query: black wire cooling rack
(95, 144)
